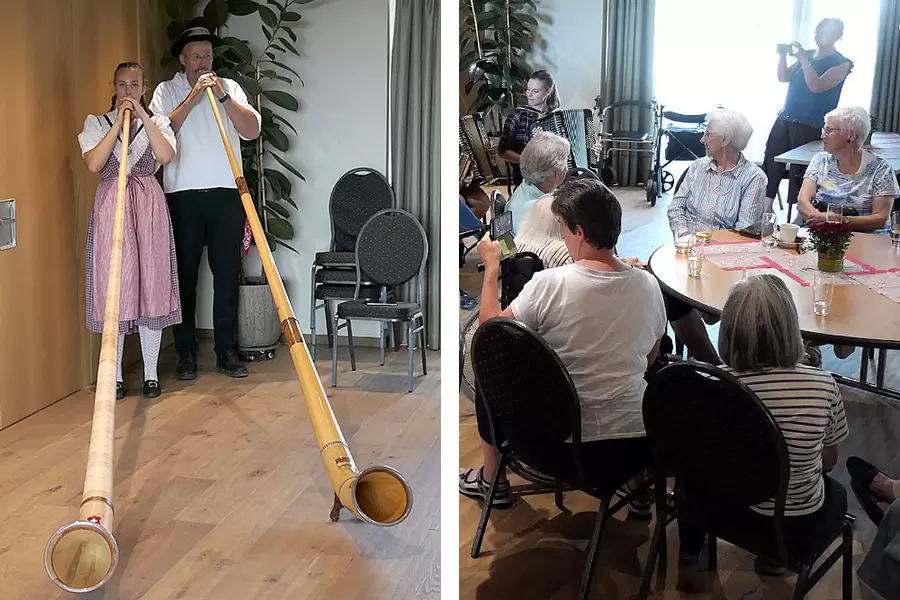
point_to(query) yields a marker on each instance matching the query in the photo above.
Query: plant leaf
(279, 227)
(250, 85)
(291, 33)
(285, 121)
(240, 47)
(274, 3)
(242, 8)
(282, 99)
(174, 30)
(289, 247)
(277, 210)
(216, 13)
(291, 17)
(287, 68)
(282, 180)
(287, 166)
(276, 137)
(266, 32)
(268, 16)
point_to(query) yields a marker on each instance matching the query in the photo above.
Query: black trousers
(784, 136)
(213, 218)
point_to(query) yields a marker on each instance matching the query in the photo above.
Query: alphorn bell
(82, 556)
(379, 495)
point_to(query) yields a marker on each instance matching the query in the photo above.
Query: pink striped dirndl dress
(149, 294)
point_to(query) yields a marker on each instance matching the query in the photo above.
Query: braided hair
(129, 65)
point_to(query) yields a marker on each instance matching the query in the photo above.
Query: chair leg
(334, 356)
(332, 332)
(312, 314)
(800, 586)
(381, 333)
(412, 351)
(713, 553)
(422, 347)
(486, 511)
(590, 563)
(847, 564)
(349, 343)
(558, 496)
(659, 533)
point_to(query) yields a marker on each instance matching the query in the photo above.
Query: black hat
(194, 34)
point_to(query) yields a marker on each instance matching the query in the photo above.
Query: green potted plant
(265, 163)
(874, 125)
(830, 240)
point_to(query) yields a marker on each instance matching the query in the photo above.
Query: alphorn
(82, 556)
(378, 495)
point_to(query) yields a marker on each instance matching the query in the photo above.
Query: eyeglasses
(829, 130)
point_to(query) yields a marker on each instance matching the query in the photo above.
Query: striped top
(806, 404)
(732, 199)
(553, 253)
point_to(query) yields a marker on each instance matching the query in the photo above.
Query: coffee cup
(787, 233)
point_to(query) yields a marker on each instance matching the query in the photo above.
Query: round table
(859, 316)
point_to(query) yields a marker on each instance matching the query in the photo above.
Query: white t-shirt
(96, 127)
(602, 325)
(201, 161)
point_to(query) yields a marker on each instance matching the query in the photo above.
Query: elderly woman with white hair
(544, 164)
(845, 174)
(722, 190)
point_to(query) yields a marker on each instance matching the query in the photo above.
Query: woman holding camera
(814, 88)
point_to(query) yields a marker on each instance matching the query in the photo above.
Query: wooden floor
(220, 492)
(534, 551)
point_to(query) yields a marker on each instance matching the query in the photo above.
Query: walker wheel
(668, 181)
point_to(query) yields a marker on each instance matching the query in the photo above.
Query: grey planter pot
(258, 324)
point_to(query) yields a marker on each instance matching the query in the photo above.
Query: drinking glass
(823, 291)
(695, 261)
(895, 229)
(767, 229)
(685, 242)
(748, 272)
(834, 213)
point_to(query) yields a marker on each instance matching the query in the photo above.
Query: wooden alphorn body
(378, 495)
(82, 556)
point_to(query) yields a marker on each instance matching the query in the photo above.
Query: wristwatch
(845, 220)
(225, 98)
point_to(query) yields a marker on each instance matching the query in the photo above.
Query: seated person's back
(541, 234)
(602, 317)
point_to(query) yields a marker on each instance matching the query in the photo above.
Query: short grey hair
(852, 119)
(545, 155)
(759, 328)
(733, 125)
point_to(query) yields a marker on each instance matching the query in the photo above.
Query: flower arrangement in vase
(830, 239)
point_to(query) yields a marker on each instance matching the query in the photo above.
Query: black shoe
(229, 363)
(152, 389)
(120, 390)
(187, 367)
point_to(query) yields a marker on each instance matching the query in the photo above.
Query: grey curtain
(628, 29)
(886, 87)
(415, 140)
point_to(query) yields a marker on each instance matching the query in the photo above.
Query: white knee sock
(119, 377)
(150, 342)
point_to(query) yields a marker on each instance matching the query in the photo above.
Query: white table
(885, 145)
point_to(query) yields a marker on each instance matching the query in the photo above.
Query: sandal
(477, 487)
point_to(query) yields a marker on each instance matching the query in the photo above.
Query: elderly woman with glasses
(845, 174)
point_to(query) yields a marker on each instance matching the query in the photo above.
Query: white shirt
(201, 161)
(602, 325)
(96, 127)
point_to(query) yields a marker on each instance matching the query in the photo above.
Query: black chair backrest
(515, 273)
(710, 429)
(529, 394)
(580, 173)
(391, 248)
(357, 195)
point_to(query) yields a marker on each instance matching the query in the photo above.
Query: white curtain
(710, 53)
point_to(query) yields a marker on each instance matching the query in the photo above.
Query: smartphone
(501, 232)
(783, 48)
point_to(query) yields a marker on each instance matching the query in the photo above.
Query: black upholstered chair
(357, 195)
(530, 397)
(391, 250)
(726, 452)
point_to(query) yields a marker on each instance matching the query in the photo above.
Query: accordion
(575, 125)
(473, 143)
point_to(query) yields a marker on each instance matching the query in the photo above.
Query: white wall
(569, 45)
(342, 124)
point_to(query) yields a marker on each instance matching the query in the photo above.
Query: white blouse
(96, 128)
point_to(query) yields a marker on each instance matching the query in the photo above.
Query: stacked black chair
(357, 195)
(530, 397)
(718, 439)
(391, 250)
